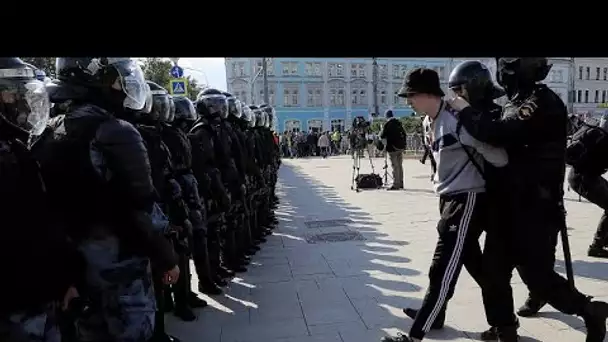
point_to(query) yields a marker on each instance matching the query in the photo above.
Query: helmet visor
(216, 104)
(25, 103)
(132, 81)
(247, 113)
(234, 107)
(161, 108)
(149, 101)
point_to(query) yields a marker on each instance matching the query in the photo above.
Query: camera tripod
(385, 167)
(357, 156)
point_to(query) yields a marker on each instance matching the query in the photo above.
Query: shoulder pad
(528, 108)
(116, 131)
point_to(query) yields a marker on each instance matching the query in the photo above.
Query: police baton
(566, 247)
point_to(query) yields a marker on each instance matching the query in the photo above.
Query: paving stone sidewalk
(342, 265)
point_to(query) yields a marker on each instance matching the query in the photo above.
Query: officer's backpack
(368, 181)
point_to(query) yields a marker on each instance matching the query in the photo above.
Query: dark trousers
(595, 190)
(528, 242)
(429, 154)
(461, 223)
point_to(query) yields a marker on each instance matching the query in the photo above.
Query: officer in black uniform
(472, 80)
(170, 197)
(257, 182)
(98, 176)
(264, 145)
(181, 160)
(275, 157)
(587, 156)
(215, 196)
(533, 128)
(214, 105)
(34, 250)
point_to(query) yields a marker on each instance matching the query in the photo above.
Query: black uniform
(215, 196)
(533, 130)
(587, 156)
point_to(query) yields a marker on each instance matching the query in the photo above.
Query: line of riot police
(131, 184)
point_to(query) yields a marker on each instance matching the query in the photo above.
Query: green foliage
(158, 70)
(47, 64)
(411, 124)
(376, 126)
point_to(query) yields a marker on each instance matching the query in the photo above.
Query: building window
(587, 95)
(580, 72)
(234, 68)
(396, 99)
(579, 96)
(340, 70)
(603, 96)
(588, 73)
(308, 69)
(383, 70)
(294, 97)
(597, 74)
(605, 74)
(318, 69)
(285, 68)
(383, 97)
(341, 97)
(261, 98)
(353, 70)
(396, 71)
(597, 96)
(355, 97)
(363, 96)
(294, 68)
(242, 69)
(332, 97)
(441, 72)
(314, 97)
(557, 76)
(269, 67)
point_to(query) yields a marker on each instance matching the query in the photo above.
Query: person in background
(426, 129)
(335, 140)
(324, 144)
(395, 137)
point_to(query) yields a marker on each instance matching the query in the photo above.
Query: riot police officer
(214, 194)
(34, 249)
(213, 105)
(533, 128)
(170, 200)
(181, 162)
(98, 176)
(586, 154)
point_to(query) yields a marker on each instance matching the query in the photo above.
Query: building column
(326, 121)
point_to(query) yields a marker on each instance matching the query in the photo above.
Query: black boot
(596, 251)
(595, 314)
(195, 302)
(209, 288)
(439, 321)
(225, 272)
(399, 338)
(531, 307)
(200, 256)
(492, 333)
(507, 334)
(181, 290)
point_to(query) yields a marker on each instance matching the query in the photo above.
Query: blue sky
(211, 70)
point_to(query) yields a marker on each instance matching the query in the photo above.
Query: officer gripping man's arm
(533, 129)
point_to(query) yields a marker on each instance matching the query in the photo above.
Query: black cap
(421, 81)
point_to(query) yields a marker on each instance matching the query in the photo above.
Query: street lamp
(263, 70)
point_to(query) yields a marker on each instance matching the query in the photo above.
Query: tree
(47, 64)
(158, 71)
(377, 124)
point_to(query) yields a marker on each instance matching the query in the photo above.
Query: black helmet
(234, 105)
(268, 113)
(160, 103)
(247, 113)
(102, 73)
(256, 115)
(24, 101)
(171, 109)
(516, 71)
(184, 109)
(474, 79)
(212, 103)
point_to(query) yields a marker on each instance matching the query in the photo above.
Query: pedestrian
(395, 137)
(324, 144)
